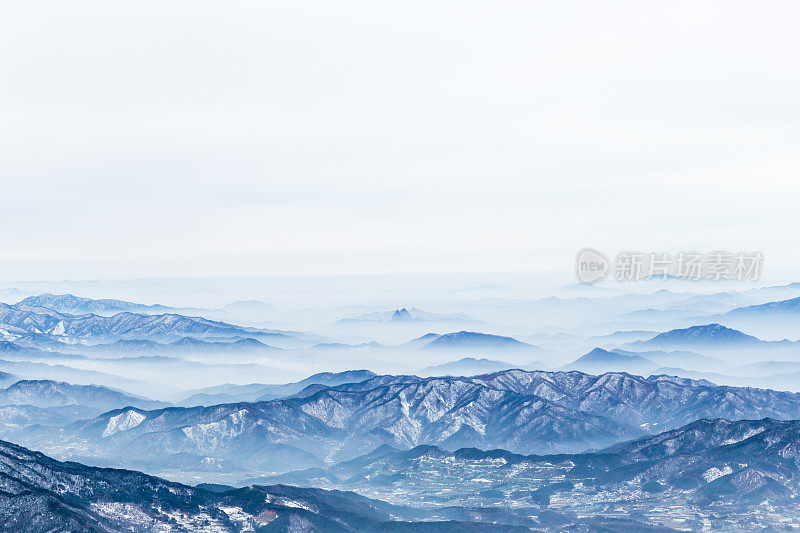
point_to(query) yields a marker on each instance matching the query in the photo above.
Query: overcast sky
(242, 138)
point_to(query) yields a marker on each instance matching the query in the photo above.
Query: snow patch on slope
(126, 420)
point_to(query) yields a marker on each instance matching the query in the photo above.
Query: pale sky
(254, 138)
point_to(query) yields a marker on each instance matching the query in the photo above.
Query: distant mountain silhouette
(783, 307)
(405, 314)
(256, 392)
(43, 494)
(679, 358)
(401, 315)
(709, 334)
(51, 402)
(467, 366)
(520, 411)
(45, 324)
(600, 360)
(69, 303)
(471, 339)
(248, 306)
(740, 463)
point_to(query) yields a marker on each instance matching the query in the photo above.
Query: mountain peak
(704, 334)
(466, 366)
(474, 339)
(603, 360)
(401, 315)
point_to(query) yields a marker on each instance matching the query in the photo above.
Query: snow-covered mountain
(7, 379)
(718, 340)
(41, 494)
(75, 305)
(339, 422)
(784, 309)
(20, 319)
(747, 461)
(89, 398)
(520, 411)
(470, 340)
(52, 403)
(711, 467)
(482, 435)
(714, 335)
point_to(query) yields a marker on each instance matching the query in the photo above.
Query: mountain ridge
(43, 494)
(521, 411)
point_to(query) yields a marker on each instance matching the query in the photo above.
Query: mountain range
(41, 494)
(52, 403)
(647, 362)
(40, 320)
(470, 340)
(520, 411)
(75, 305)
(789, 307)
(48, 393)
(183, 346)
(645, 429)
(713, 335)
(776, 319)
(46, 328)
(718, 340)
(731, 469)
